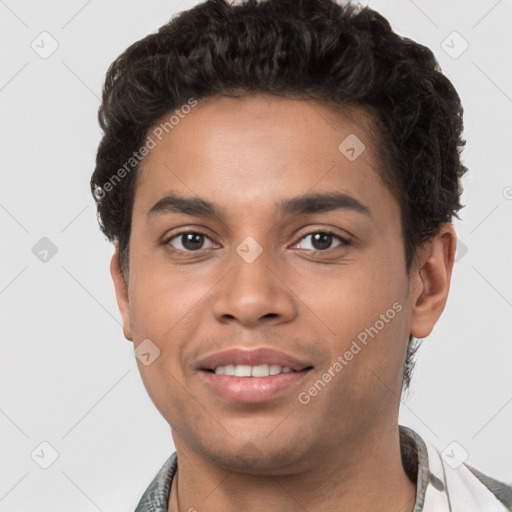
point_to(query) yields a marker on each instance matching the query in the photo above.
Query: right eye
(188, 241)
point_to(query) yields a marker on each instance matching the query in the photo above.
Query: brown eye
(188, 241)
(323, 240)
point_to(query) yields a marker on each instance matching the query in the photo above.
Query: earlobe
(431, 284)
(121, 294)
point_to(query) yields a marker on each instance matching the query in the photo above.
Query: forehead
(250, 150)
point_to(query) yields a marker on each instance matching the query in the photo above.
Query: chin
(253, 457)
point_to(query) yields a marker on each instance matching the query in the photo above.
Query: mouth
(251, 376)
(259, 371)
(253, 389)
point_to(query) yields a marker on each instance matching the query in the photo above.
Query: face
(295, 249)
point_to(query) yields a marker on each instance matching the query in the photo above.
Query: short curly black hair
(315, 49)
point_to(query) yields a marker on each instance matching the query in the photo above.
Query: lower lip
(252, 389)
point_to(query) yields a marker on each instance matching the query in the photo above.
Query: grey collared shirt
(415, 460)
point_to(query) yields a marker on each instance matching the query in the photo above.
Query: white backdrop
(69, 377)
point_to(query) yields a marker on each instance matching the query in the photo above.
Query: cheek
(166, 390)
(163, 307)
(365, 307)
(167, 306)
(161, 298)
(355, 296)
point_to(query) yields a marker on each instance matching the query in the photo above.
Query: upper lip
(253, 357)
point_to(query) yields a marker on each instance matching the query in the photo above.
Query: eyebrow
(320, 203)
(300, 205)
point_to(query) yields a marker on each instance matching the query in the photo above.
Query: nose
(254, 292)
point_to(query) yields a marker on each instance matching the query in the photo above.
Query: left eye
(189, 241)
(322, 240)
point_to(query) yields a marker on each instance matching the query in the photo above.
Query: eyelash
(344, 242)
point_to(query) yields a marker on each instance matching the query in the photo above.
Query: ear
(121, 294)
(430, 280)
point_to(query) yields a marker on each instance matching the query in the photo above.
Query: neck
(363, 475)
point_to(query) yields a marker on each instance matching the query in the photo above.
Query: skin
(245, 155)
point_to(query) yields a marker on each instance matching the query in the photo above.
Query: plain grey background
(69, 377)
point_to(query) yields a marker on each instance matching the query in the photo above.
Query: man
(279, 180)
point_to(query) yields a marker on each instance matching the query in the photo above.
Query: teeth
(260, 371)
(274, 369)
(243, 370)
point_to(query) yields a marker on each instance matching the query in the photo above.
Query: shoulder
(446, 484)
(467, 489)
(501, 490)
